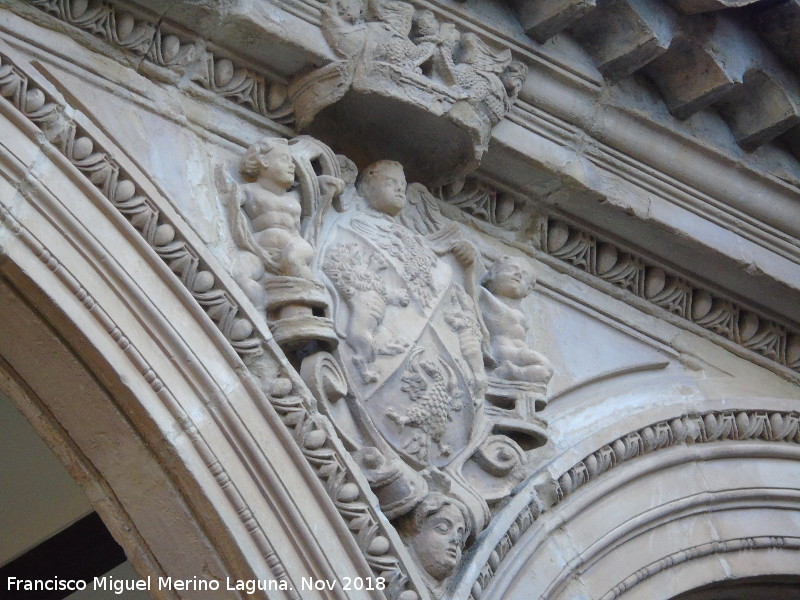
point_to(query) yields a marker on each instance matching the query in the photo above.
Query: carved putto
(412, 68)
(273, 210)
(375, 295)
(273, 262)
(517, 371)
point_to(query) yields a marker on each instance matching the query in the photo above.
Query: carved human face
(514, 77)
(385, 189)
(278, 166)
(439, 543)
(513, 278)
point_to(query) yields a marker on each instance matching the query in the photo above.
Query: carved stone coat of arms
(377, 299)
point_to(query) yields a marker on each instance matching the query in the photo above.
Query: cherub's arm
(339, 32)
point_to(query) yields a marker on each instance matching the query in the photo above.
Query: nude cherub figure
(273, 209)
(510, 280)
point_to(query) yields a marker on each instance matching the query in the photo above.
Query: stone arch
(785, 588)
(126, 360)
(661, 515)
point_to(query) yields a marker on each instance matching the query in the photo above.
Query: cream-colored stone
(298, 365)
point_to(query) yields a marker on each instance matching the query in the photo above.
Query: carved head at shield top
(436, 531)
(383, 185)
(269, 160)
(426, 27)
(510, 277)
(351, 11)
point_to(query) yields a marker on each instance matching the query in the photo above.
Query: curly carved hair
(414, 521)
(252, 162)
(489, 278)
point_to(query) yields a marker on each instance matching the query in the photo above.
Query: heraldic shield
(404, 301)
(374, 295)
(401, 310)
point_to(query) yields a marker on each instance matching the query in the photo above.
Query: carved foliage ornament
(376, 297)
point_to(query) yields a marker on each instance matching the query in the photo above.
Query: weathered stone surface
(325, 354)
(395, 65)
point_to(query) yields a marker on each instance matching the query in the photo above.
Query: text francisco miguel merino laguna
(249, 586)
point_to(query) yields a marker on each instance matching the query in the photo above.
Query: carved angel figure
(490, 77)
(266, 216)
(383, 37)
(509, 281)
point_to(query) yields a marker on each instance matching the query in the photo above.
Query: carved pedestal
(517, 399)
(447, 141)
(295, 311)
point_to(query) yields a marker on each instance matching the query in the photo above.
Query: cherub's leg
(247, 272)
(297, 255)
(359, 337)
(536, 374)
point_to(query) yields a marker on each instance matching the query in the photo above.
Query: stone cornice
(179, 53)
(683, 172)
(557, 145)
(728, 320)
(671, 187)
(727, 60)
